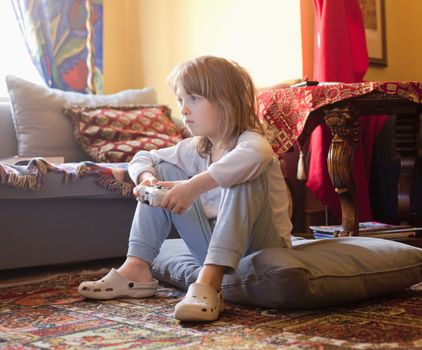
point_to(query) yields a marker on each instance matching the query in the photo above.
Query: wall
(404, 49)
(307, 28)
(117, 51)
(145, 39)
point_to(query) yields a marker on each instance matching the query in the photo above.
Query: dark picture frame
(373, 12)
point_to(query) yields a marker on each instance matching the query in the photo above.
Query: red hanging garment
(341, 56)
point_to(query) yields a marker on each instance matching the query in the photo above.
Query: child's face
(200, 116)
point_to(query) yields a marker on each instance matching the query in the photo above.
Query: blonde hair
(228, 85)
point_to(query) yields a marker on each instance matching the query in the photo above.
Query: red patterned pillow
(116, 133)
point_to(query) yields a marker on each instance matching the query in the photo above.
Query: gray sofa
(59, 223)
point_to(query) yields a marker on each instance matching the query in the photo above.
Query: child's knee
(249, 197)
(257, 187)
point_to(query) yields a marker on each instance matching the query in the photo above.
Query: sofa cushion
(41, 126)
(315, 273)
(117, 133)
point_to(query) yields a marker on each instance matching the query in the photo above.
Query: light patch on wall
(146, 39)
(263, 36)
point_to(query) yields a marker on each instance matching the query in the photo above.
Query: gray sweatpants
(244, 224)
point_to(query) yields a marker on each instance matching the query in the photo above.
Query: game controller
(152, 195)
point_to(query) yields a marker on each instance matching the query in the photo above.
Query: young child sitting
(227, 196)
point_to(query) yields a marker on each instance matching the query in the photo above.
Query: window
(14, 58)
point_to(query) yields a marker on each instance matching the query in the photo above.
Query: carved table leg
(345, 128)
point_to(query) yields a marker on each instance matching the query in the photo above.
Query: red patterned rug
(51, 315)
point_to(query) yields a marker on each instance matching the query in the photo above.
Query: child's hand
(179, 198)
(148, 180)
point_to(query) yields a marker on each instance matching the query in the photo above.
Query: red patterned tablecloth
(285, 111)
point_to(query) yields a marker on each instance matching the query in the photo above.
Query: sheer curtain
(55, 35)
(14, 58)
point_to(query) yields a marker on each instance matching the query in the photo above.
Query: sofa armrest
(8, 141)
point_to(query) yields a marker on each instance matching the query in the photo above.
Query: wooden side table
(289, 115)
(343, 120)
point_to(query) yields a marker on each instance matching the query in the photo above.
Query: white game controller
(152, 195)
